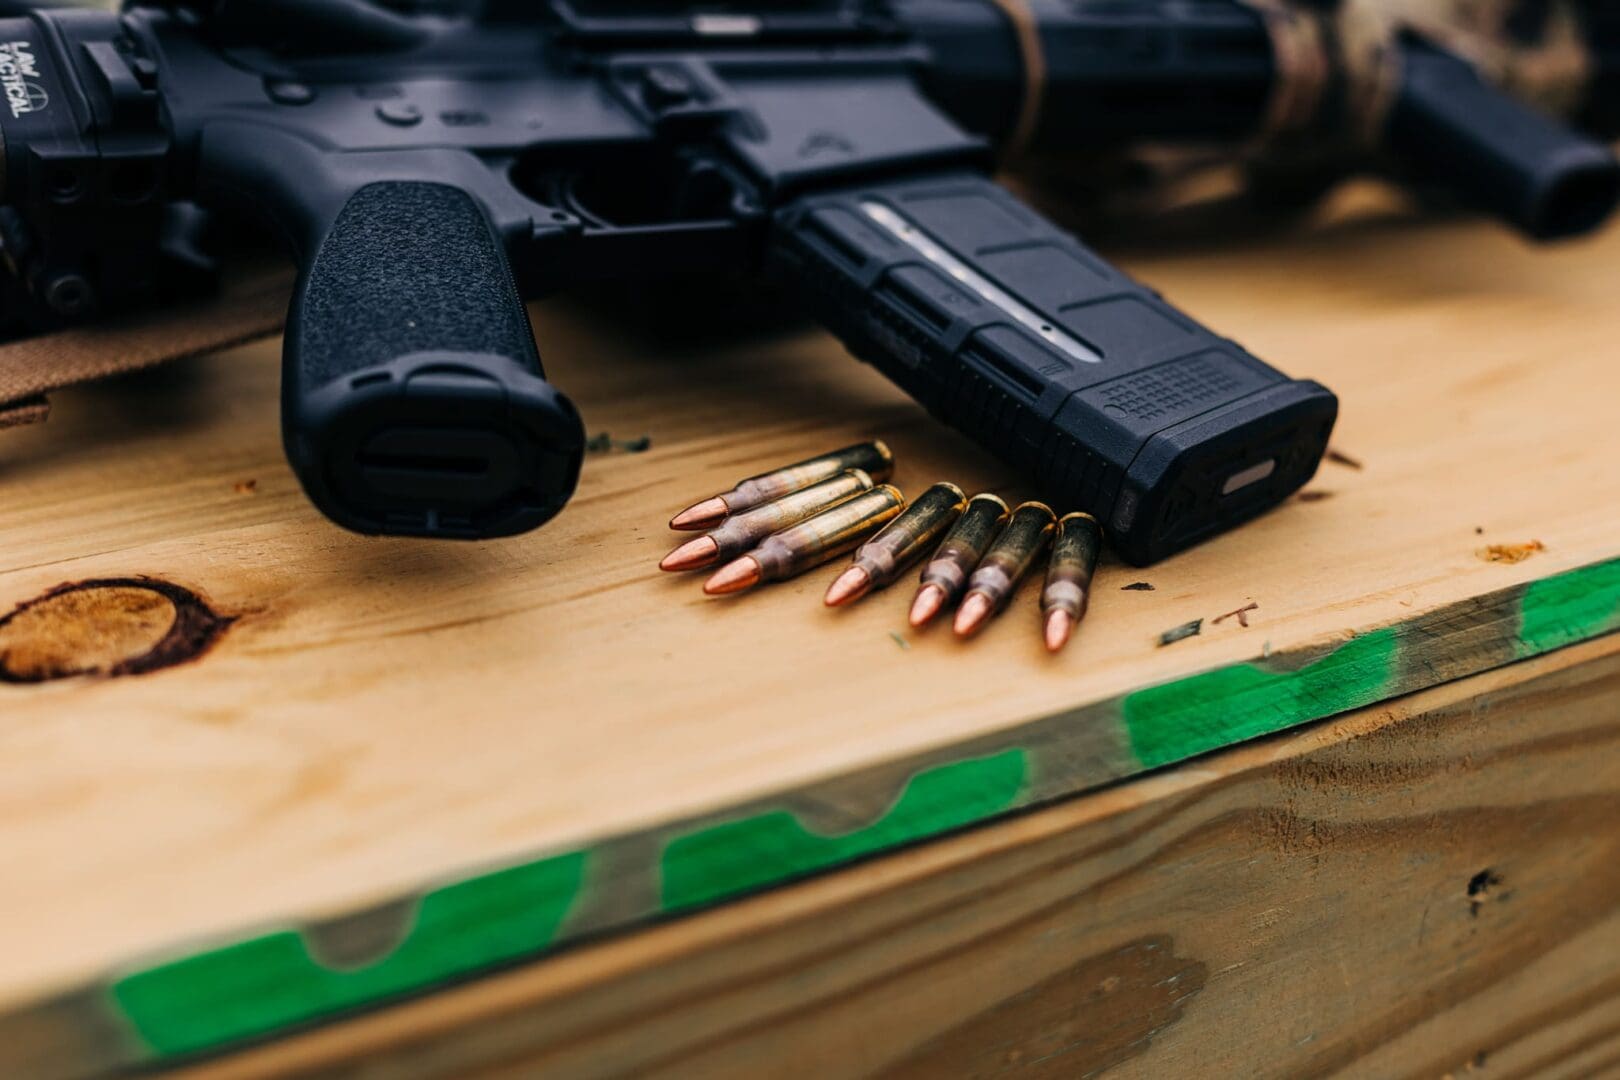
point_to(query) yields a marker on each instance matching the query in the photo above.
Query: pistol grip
(413, 400)
(1105, 397)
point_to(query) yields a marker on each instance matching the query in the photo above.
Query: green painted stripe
(267, 983)
(724, 860)
(1230, 704)
(1562, 610)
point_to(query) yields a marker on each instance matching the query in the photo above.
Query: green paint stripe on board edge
(1242, 701)
(1569, 607)
(1232, 704)
(735, 857)
(262, 985)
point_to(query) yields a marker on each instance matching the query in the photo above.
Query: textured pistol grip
(1103, 396)
(413, 401)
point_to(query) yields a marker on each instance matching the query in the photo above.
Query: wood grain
(391, 736)
(1424, 889)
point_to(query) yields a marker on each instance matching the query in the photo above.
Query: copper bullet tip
(1059, 625)
(695, 554)
(852, 584)
(701, 515)
(735, 576)
(930, 598)
(972, 614)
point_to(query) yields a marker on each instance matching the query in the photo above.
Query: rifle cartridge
(881, 559)
(811, 542)
(740, 532)
(1068, 576)
(874, 458)
(1028, 531)
(946, 574)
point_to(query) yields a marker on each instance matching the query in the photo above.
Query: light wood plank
(1426, 888)
(386, 719)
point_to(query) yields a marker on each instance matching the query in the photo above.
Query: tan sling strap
(252, 304)
(1027, 36)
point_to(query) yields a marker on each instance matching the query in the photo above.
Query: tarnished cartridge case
(1029, 529)
(811, 542)
(1068, 576)
(741, 532)
(945, 576)
(880, 560)
(872, 458)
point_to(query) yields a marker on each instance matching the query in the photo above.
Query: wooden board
(399, 763)
(1425, 888)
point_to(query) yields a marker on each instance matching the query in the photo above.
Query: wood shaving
(603, 443)
(1510, 553)
(1242, 614)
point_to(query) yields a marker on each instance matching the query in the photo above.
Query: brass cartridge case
(872, 458)
(1028, 530)
(1074, 561)
(964, 546)
(740, 532)
(909, 536)
(826, 535)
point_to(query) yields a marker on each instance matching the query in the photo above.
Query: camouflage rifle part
(1337, 69)
(1533, 49)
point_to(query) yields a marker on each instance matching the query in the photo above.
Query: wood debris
(1339, 457)
(900, 641)
(1136, 586)
(245, 487)
(1242, 614)
(603, 443)
(1185, 630)
(1510, 553)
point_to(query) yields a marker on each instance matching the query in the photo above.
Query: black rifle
(430, 167)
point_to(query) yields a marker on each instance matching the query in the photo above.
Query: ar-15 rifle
(430, 166)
